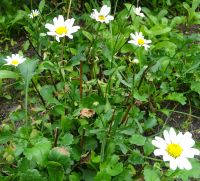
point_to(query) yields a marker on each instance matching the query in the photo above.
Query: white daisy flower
(137, 11)
(15, 60)
(139, 40)
(176, 149)
(102, 16)
(61, 28)
(34, 13)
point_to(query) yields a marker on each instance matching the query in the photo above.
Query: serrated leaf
(55, 170)
(32, 175)
(39, 151)
(195, 86)
(67, 139)
(150, 122)
(114, 167)
(6, 74)
(179, 97)
(137, 139)
(150, 174)
(136, 158)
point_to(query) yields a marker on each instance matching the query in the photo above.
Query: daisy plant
(62, 28)
(14, 59)
(34, 13)
(176, 148)
(137, 11)
(102, 16)
(139, 40)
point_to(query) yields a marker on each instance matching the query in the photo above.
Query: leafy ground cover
(99, 90)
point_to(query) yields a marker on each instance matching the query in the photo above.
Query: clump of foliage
(92, 96)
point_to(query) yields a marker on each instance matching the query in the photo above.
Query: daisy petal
(186, 164)
(173, 164)
(105, 10)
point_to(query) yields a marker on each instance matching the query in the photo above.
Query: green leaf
(41, 5)
(60, 155)
(39, 152)
(74, 176)
(148, 147)
(150, 174)
(113, 167)
(95, 158)
(195, 86)
(5, 136)
(31, 175)
(136, 158)
(67, 139)
(55, 170)
(139, 97)
(179, 97)
(150, 122)
(137, 140)
(6, 74)
(18, 16)
(66, 123)
(27, 69)
(87, 35)
(47, 93)
(167, 46)
(159, 30)
(195, 4)
(177, 20)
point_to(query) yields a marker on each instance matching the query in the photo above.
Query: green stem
(26, 104)
(103, 145)
(151, 158)
(115, 7)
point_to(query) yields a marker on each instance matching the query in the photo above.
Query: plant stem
(56, 134)
(151, 158)
(103, 145)
(126, 114)
(41, 98)
(26, 103)
(82, 139)
(81, 79)
(52, 80)
(69, 7)
(115, 7)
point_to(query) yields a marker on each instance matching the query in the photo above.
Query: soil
(184, 118)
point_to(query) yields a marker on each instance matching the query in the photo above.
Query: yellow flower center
(101, 17)
(15, 62)
(141, 41)
(60, 30)
(174, 150)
